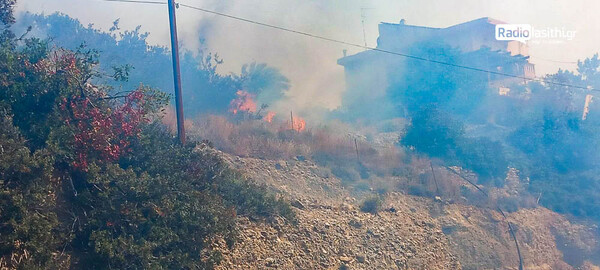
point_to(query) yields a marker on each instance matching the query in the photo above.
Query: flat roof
(486, 19)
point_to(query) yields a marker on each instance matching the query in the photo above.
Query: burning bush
(244, 102)
(250, 138)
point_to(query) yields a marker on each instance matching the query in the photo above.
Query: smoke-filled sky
(310, 64)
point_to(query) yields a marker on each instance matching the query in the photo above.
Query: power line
(383, 50)
(510, 227)
(365, 47)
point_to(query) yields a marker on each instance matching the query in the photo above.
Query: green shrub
(28, 219)
(371, 204)
(165, 204)
(508, 204)
(420, 190)
(484, 157)
(346, 174)
(438, 134)
(87, 182)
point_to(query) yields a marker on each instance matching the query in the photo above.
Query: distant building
(468, 36)
(366, 76)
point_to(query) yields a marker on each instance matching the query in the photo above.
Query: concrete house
(366, 72)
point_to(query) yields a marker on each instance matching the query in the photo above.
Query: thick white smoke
(310, 64)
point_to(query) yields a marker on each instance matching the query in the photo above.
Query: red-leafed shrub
(103, 134)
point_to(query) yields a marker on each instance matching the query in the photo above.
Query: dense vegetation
(89, 178)
(208, 97)
(537, 128)
(128, 53)
(455, 116)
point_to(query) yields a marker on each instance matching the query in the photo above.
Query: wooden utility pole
(356, 147)
(437, 188)
(176, 72)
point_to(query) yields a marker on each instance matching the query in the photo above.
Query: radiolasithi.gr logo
(519, 32)
(525, 32)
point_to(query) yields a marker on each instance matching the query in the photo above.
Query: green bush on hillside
(89, 178)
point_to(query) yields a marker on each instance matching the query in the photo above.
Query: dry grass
(249, 138)
(375, 169)
(335, 145)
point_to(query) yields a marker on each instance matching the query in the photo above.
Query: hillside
(410, 233)
(435, 170)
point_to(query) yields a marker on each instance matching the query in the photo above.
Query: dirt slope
(411, 233)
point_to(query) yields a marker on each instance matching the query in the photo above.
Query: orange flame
(269, 117)
(243, 102)
(299, 124)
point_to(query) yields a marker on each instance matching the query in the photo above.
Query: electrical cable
(366, 47)
(383, 50)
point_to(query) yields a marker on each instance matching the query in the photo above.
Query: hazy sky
(310, 63)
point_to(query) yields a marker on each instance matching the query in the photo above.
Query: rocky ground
(410, 233)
